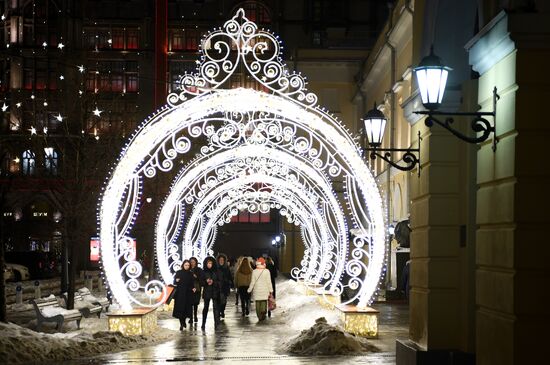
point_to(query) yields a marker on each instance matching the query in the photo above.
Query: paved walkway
(246, 341)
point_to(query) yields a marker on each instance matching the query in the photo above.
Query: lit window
(50, 160)
(28, 163)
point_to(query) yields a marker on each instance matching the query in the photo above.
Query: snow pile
(325, 339)
(297, 310)
(19, 345)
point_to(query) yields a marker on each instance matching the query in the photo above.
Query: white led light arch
(285, 117)
(194, 183)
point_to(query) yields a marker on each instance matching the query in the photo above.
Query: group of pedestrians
(252, 279)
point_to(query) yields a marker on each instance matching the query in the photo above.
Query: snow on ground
(322, 333)
(20, 345)
(325, 339)
(298, 310)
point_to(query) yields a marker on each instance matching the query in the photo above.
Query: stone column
(512, 269)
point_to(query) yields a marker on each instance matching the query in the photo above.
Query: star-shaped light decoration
(45, 130)
(59, 117)
(97, 112)
(61, 46)
(61, 77)
(18, 105)
(33, 130)
(44, 44)
(110, 41)
(81, 68)
(80, 92)
(3, 17)
(4, 107)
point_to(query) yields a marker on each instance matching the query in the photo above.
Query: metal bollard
(37, 291)
(19, 293)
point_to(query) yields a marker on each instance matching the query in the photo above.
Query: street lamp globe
(431, 76)
(375, 126)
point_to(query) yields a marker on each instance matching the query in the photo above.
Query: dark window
(132, 39)
(117, 83)
(192, 40)
(177, 41)
(131, 83)
(118, 39)
(28, 79)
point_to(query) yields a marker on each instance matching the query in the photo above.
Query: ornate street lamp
(431, 76)
(375, 126)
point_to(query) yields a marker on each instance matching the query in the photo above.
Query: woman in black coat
(184, 293)
(197, 275)
(211, 290)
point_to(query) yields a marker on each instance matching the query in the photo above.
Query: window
(28, 163)
(118, 39)
(192, 40)
(10, 165)
(131, 83)
(247, 217)
(50, 160)
(117, 83)
(177, 41)
(132, 39)
(28, 77)
(257, 13)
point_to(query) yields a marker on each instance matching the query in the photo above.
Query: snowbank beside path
(321, 331)
(325, 339)
(19, 345)
(300, 311)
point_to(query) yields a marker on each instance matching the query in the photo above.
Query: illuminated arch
(284, 119)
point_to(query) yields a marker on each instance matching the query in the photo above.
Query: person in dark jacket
(226, 282)
(211, 290)
(270, 265)
(183, 297)
(197, 274)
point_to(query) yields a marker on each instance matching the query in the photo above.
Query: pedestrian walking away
(183, 297)
(260, 287)
(226, 281)
(270, 265)
(197, 275)
(211, 290)
(243, 276)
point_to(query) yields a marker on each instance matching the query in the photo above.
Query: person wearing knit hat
(261, 288)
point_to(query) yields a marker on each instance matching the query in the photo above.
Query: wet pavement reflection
(244, 340)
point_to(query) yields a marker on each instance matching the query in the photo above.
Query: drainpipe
(391, 121)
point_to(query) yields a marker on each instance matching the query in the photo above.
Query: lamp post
(431, 76)
(374, 128)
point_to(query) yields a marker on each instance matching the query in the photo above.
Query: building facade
(477, 260)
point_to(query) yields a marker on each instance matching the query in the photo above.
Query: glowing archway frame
(223, 116)
(195, 181)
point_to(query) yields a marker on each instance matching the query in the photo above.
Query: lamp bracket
(409, 157)
(479, 123)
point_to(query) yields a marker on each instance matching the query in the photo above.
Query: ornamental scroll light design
(258, 150)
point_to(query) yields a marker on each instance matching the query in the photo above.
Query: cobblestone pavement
(249, 342)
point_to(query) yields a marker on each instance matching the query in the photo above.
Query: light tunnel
(239, 123)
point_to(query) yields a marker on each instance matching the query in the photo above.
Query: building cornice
(491, 44)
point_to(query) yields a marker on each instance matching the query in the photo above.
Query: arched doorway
(252, 150)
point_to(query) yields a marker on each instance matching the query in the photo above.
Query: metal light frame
(479, 123)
